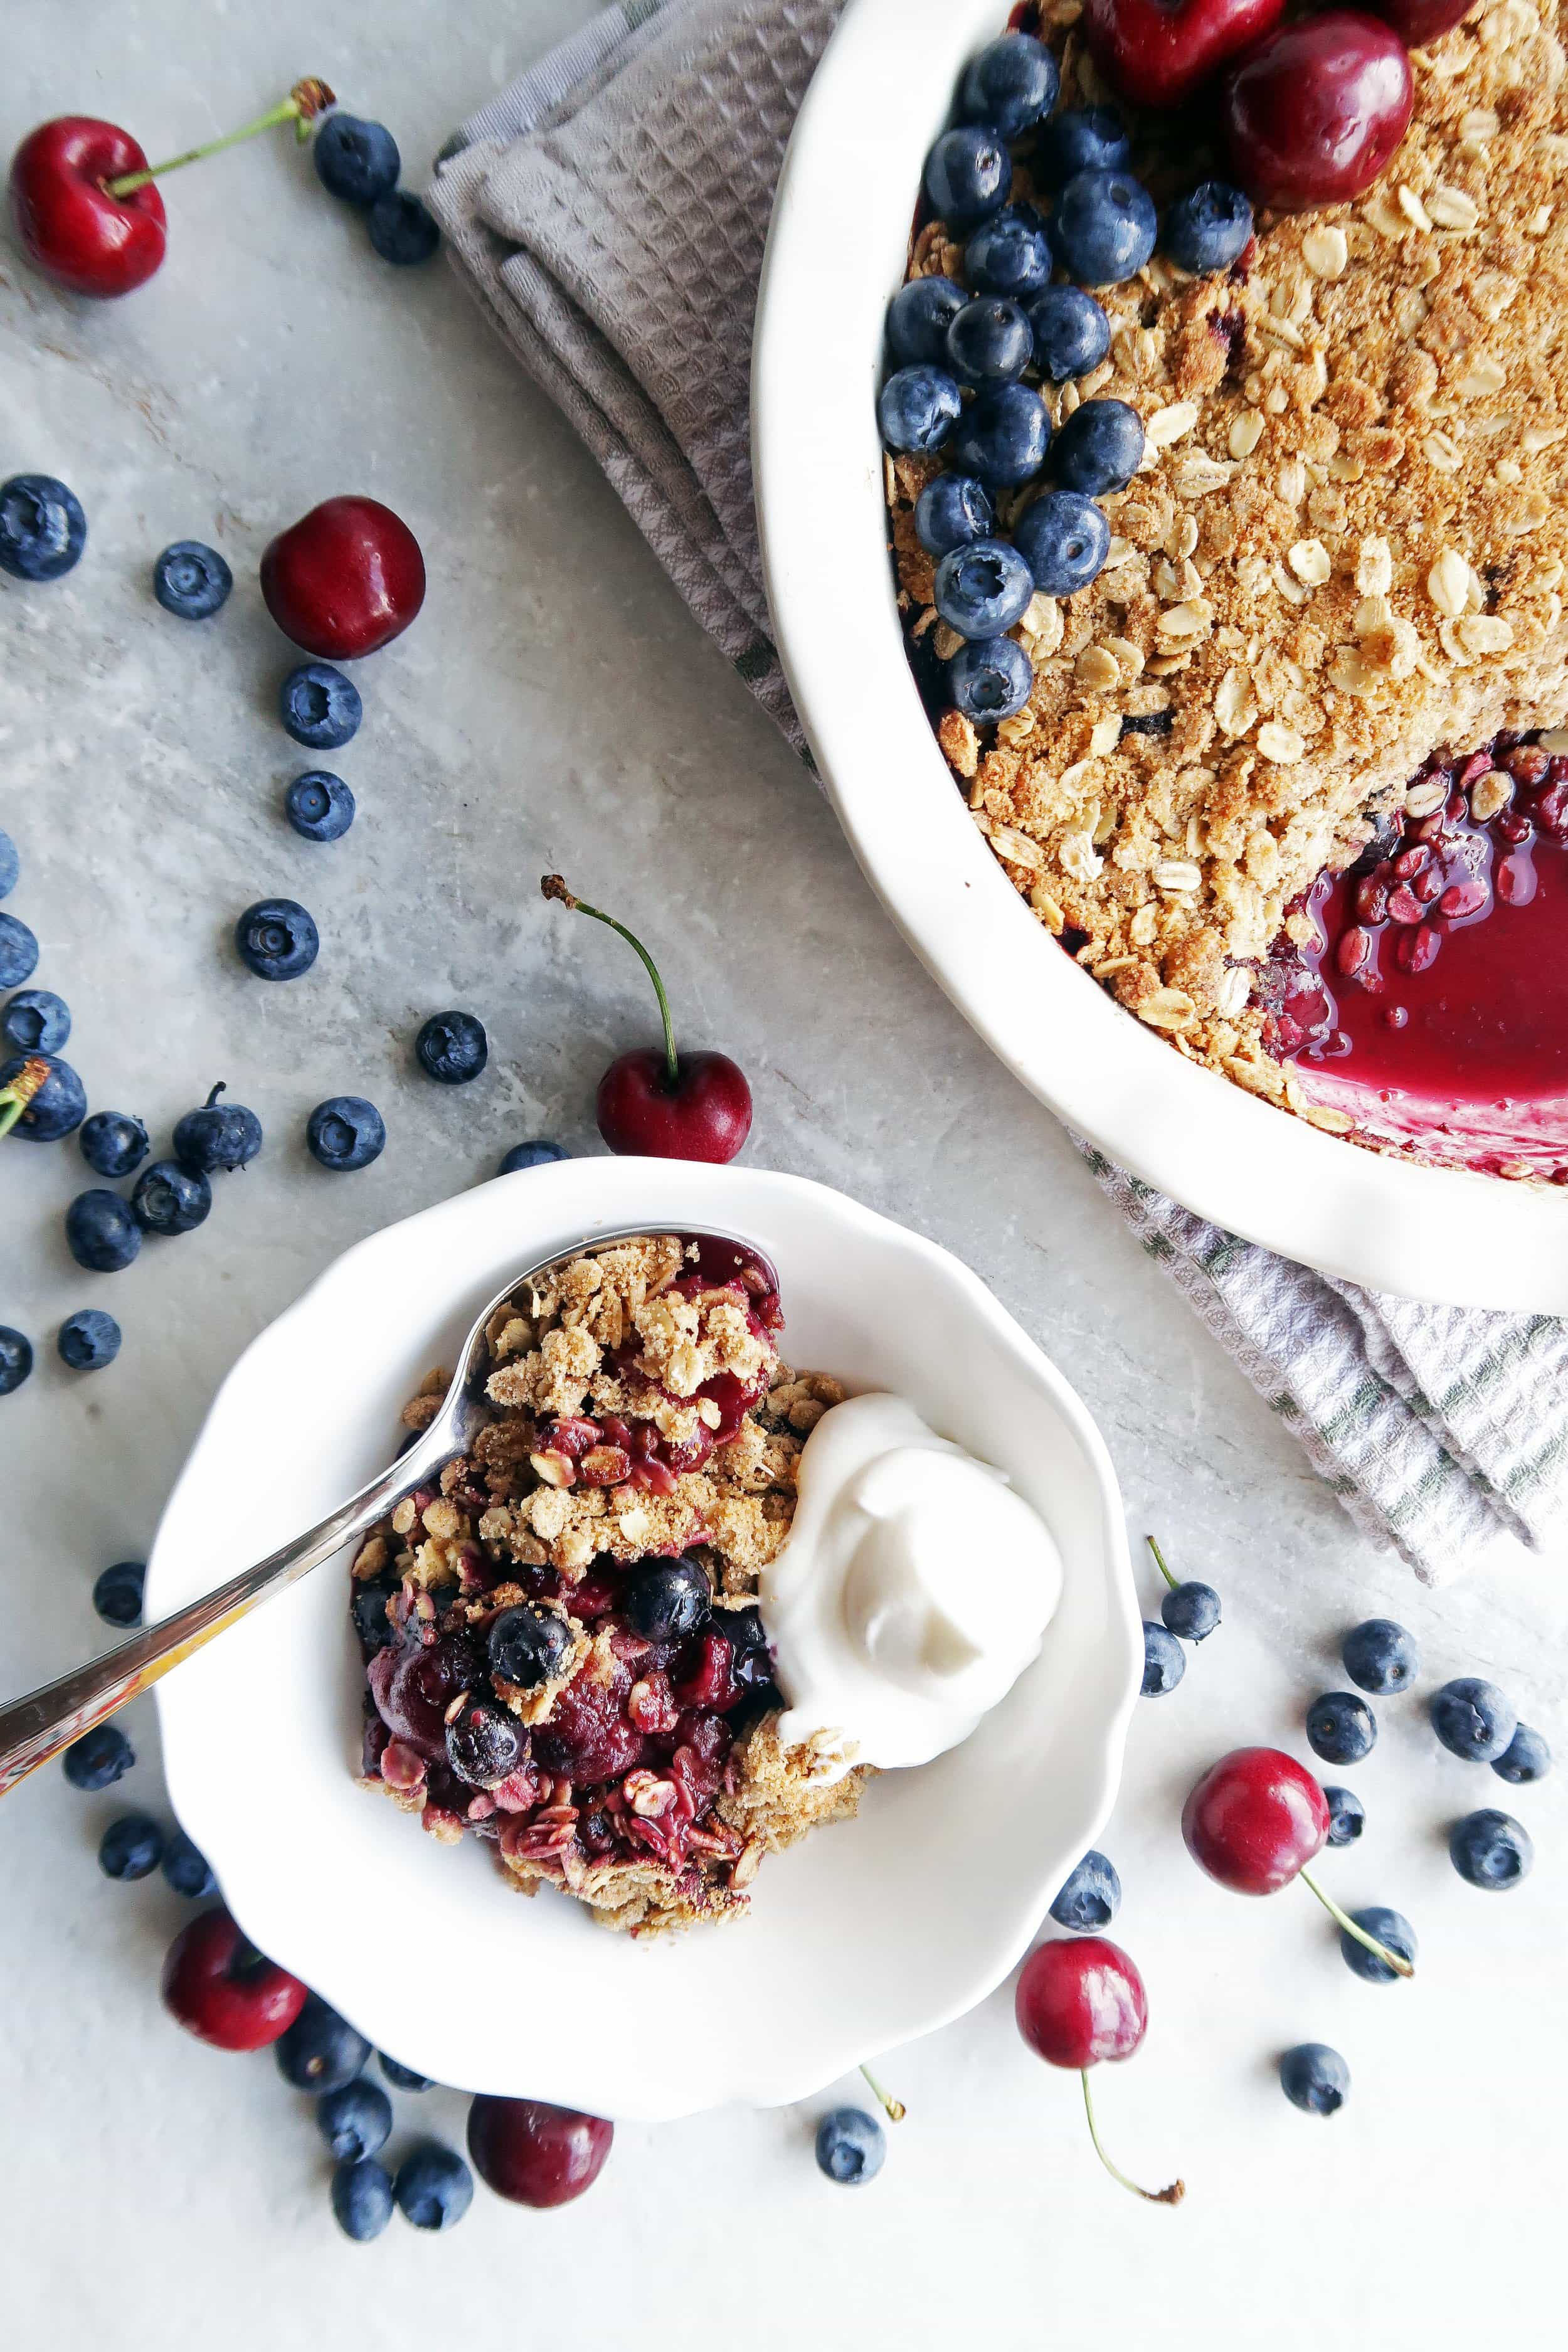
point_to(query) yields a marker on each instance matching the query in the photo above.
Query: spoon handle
(33, 1728)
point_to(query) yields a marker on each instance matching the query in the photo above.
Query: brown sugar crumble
(642, 1425)
(1344, 549)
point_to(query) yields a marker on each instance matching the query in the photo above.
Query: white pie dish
(868, 1933)
(883, 91)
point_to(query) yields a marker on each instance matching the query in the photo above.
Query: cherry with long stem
(553, 887)
(305, 101)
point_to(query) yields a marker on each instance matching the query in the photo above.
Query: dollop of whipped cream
(912, 1591)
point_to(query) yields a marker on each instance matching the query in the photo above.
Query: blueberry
(98, 1758)
(1004, 436)
(1390, 1927)
(1490, 1849)
(1314, 2078)
(345, 1132)
(1526, 1758)
(362, 2199)
(42, 527)
(15, 1358)
(320, 706)
(187, 1870)
(537, 1154)
(950, 512)
(1010, 84)
(452, 1048)
(990, 678)
(36, 1021)
(433, 2187)
(117, 1593)
(1209, 227)
(1164, 1661)
(368, 1611)
(114, 1144)
(401, 230)
(1341, 1728)
(989, 342)
(485, 1742)
(59, 1104)
(1100, 448)
(355, 160)
(1081, 139)
(527, 1647)
(1104, 227)
(984, 589)
(1064, 540)
(190, 580)
(18, 951)
(850, 2147)
(1071, 333)
(968, 173)
(917, 409)
(1379, 1656)
(1091, 1896)
(402, 2078)
(130, 1847)
(918, 316)
(354, 2120)
(1347, 1815)
(87, 1340)
(277, 939)
(1191, 1611)
(11, 863)
(1009, 255)
(169, 1199)
(101, 1232)
(668, 1599)
(320, 2050)
(1473, 1719)
(220, 1137)
(319, 806)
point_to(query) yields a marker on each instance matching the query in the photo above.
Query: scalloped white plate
(836, 253)
(867, 1934)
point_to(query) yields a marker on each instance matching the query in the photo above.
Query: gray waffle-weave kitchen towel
(609, 211)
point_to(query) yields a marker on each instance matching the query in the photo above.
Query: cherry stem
(553, 887)
(18, 1092)
(304, 103)
(1159, 1562)
(1170, 2196)
(1396, 1960)
(895, 2107)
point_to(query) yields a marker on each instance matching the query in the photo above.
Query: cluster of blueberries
(358, 162)
(1472, 1719)
(959, 353)
(43, 531)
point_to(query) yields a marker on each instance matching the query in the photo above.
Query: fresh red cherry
(345, 579)
(1253, 1822)
(534, 2153)
(219, 1988)
(656, 1104)
(82, 198)
(1157, 52)
(1080, 2001)
(68, 225)
(1313, 115)
(1416, 22)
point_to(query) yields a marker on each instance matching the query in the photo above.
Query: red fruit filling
(1431, 1005)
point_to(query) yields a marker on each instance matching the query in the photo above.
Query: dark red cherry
(1253, 1819)
(1418, 22)
(345, 579)
(535, 2154)
(1157, 52)
(68, 225)
(1315, 111)
(219, 1988)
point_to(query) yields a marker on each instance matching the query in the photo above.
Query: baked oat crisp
(1343, 552)
(564, 1653)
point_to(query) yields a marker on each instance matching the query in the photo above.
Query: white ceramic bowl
(864, 1936)
(836, 255)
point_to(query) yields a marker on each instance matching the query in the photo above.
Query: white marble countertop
(556, 706)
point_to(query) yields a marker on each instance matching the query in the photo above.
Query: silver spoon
(33, 1728)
